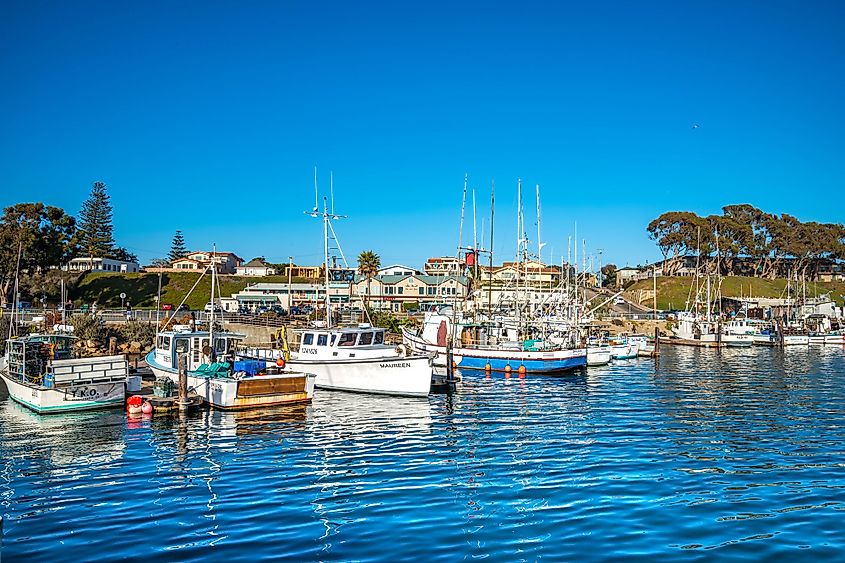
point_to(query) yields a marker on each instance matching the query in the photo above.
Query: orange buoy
(521, 370)
(508, 368)
(487, 367)
(147, 408)
(280, 362)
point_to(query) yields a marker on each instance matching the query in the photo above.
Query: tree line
(744, 239)
(36, 238)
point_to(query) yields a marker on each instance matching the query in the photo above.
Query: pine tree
(177, 247)
(95, 223)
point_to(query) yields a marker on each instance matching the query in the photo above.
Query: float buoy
(521, 370)
(508, 368)
(280, 362)
(487, 367)
(147, 408)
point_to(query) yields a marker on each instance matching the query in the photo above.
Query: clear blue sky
(209, 117)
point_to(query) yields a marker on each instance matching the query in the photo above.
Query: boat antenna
(316, 197)
(331, 189)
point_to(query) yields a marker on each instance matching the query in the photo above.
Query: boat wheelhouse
(42, 374)
(215, 375)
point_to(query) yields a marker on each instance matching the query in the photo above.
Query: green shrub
(88, 327)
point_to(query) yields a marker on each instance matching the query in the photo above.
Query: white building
(256, 268)
(87, 264)
(398, 270)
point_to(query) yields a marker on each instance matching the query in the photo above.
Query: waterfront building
(89, 264)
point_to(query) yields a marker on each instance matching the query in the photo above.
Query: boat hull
(405, 376)
(65, 399)
(238, 394)
(492, 359)
(598, 357)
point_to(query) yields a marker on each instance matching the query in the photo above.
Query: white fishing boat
(622, 348)
(41, 374)
(349, 358)
(214, 374)
(353, 359)
(598, 355)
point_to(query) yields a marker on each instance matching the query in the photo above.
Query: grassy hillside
(140, 289)
(672, 292)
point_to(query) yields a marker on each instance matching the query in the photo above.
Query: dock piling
(183, 382)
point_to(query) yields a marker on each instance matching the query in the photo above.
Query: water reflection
(736, 451)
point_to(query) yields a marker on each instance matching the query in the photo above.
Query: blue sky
(209, 117)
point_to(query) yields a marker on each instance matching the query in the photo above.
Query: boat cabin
(196, 345)
(348, 342)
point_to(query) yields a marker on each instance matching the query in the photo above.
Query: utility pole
(600, 267)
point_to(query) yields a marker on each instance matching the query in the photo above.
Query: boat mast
(490, 272)
(475, 237)
(15, 296)
(211, 319)
(326, 261)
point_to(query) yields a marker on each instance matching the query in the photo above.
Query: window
(347, 339)
(379, 339)
(401, 289)
(365, 339)
(322, 339)
(334, 337)
(432, 290)
(308, 339)
(422, 291)
(181, 345)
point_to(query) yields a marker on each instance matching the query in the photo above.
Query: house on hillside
(256, 268)
(444, 266)
(88, 264)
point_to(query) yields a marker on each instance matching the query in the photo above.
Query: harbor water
(702, 454)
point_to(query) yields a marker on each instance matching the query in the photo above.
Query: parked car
(184, 307)
(618, 300)
(296, 310)
(209, 306)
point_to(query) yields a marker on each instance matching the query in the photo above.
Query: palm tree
(368, 265)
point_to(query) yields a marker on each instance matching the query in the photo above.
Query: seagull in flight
(695, 125)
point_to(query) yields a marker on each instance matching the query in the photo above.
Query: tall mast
(518, 219)
(461, 230)
(539, 244)
(326, 258)
(490, 272)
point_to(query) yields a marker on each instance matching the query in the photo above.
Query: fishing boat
(41, 374)
(214, 374)
(476, 348)
(352, 359)
(623, 348)
(598, 355)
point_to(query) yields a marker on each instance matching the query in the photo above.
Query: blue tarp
(251, 367)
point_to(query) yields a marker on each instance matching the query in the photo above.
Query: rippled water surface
(732, 455)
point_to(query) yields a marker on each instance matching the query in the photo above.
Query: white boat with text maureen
(214, 375)
(42, 375)
(353, 359)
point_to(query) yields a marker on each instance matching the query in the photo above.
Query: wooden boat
(42, 375)
(214, 375)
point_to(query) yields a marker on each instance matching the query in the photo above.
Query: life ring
(280, 362)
